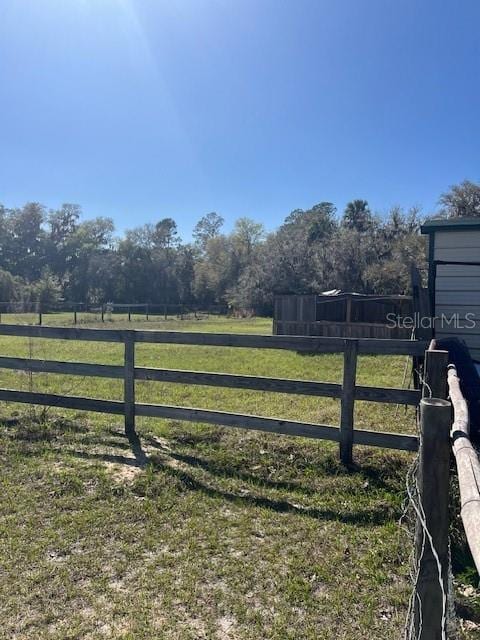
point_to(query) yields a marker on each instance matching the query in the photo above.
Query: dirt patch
(226, 628)
(123, 473)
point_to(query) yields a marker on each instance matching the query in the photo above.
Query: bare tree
(461, 201)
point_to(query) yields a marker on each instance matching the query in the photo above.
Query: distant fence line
(104, 310)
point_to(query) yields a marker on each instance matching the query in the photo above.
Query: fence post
(75, 313)
(348, 400)
(103, 312)
(39, 314)
(348, 310)
(146, 312)
(129, 382)
(435, 374)
(431, 532)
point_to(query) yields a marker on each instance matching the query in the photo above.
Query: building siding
(457, 246)
(457, 286)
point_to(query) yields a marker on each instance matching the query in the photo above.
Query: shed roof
(450, 224)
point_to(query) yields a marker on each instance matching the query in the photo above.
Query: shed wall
(457, 286)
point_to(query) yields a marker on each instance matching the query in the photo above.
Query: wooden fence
(432, 544)
(344, 315)
(347, 392)
(432, 504)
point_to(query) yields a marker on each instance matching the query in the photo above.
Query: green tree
(207, 227)
(25, 241)
(61, 227)
(47, 289)
(357, 216)
(10, 287)
(165, 234)
(91, 238)
(185, 273)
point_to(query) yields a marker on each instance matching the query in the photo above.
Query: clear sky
(142, 109)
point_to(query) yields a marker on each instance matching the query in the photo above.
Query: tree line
(53, 255)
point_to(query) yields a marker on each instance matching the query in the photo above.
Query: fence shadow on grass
(74, 438)
(387, 473)
(223, 471)
(133, 443)
(370, 474)
(377, 514)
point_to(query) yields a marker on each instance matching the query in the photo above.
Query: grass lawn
(193, 531)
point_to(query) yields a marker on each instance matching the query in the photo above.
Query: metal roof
(450, 224)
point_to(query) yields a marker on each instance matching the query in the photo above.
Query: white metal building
(454, 279)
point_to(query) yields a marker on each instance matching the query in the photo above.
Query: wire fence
(81, 312)
(443, 427)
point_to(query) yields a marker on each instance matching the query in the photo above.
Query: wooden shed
(349, 315)
(454, 279)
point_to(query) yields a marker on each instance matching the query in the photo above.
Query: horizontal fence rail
(347, 392)
(372, 346)
(64, 402)
(400, 441)
(229, 380)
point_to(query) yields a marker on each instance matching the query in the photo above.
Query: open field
(191, 531)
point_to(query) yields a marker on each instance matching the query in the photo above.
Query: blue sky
(142, 109)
